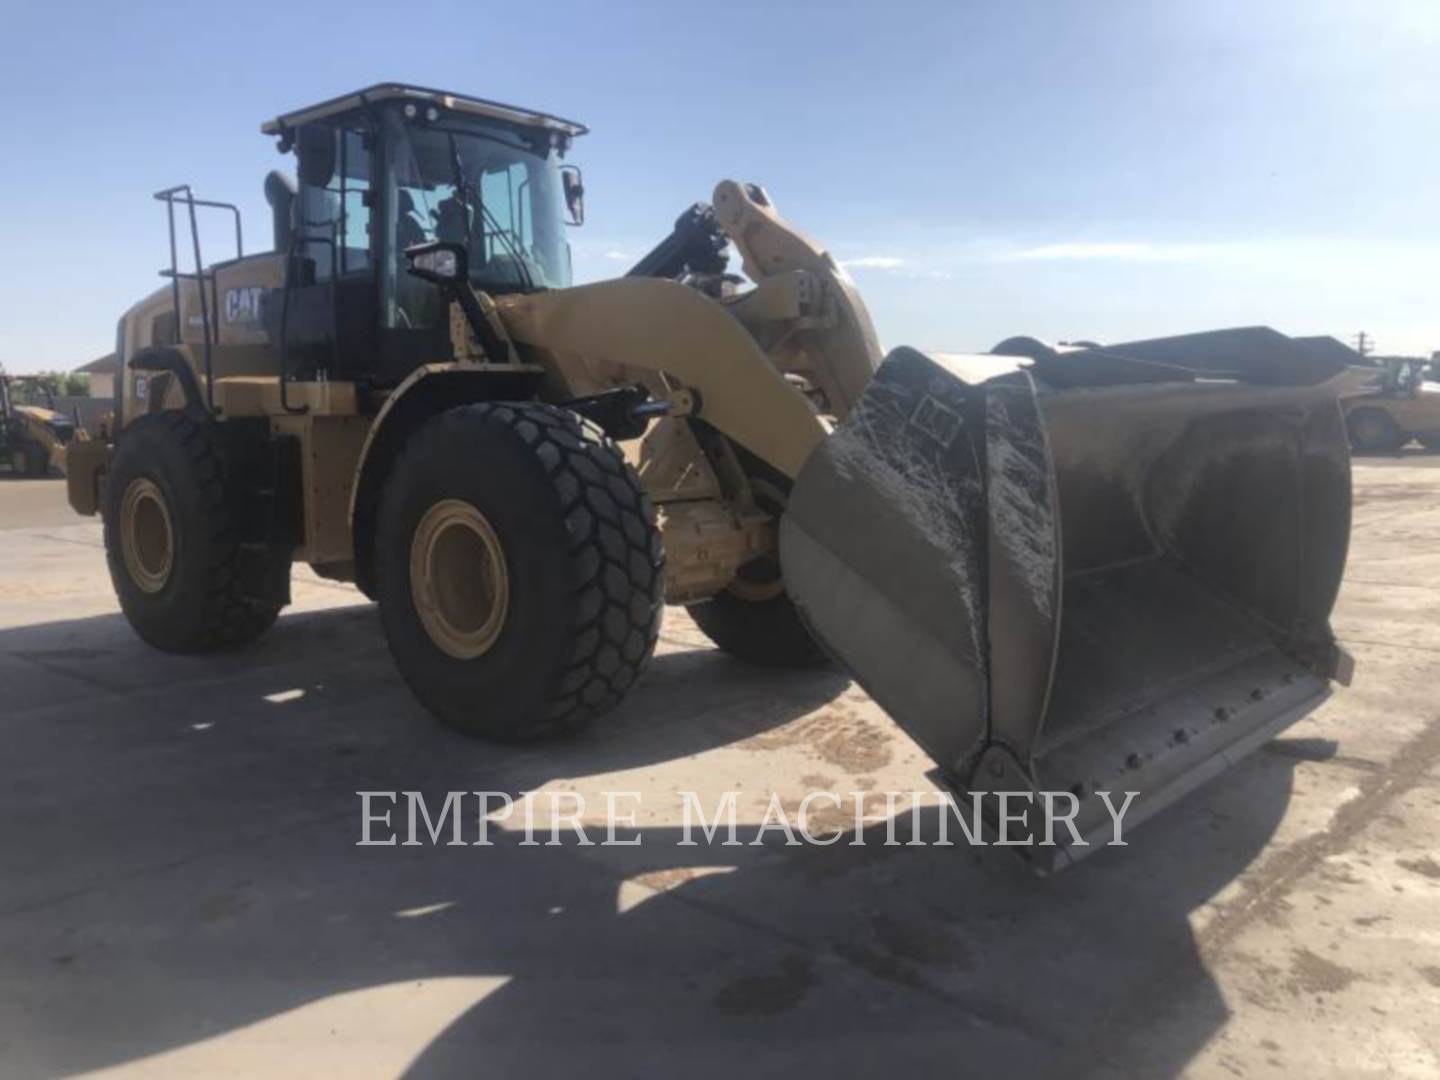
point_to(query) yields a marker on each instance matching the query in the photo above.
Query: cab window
(334, 214)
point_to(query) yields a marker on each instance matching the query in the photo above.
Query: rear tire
(1372, 431)
(519, 570)
(764, 630)
(186, 580)
(753, 620)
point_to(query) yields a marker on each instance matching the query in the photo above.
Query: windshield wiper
(462, 192)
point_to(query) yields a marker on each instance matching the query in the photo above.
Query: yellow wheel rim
(147, 539)
(458, 579)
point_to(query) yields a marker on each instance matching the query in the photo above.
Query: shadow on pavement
(177, 862)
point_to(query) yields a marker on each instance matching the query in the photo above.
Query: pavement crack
(69, 540)
(1279, 875)
(1268, 885)
(50, 667)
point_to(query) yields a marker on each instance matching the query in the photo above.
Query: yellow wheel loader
(33, 438)
(1077, 571)
(1401, 403)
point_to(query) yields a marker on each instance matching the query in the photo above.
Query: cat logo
(243, 305)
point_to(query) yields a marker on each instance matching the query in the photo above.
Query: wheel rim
(147, 539)
(458, 579)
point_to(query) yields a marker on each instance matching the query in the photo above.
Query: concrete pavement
(181, 894)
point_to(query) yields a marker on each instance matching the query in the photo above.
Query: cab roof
(421, 95)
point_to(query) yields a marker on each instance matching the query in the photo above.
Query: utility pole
(1364, 345)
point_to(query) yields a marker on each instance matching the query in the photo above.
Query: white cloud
(617, 255)
(1126, 251)
(873, 262)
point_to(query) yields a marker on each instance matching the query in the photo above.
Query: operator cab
(393, 166)
(1403, 375)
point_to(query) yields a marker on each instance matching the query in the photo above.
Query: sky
(1100, 170)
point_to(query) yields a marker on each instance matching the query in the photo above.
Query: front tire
(187, 580)
(519, 570)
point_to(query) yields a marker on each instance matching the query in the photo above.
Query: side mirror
(574, 193)
(439, 262)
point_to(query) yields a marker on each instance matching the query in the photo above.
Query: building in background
(90, 411)
(102, 376)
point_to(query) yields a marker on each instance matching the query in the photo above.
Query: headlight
(442, 264)
(437, 261)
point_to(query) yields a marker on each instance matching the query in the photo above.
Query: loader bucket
(1107, 570)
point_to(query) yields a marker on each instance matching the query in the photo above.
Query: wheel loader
(1060, 570)
(1401, 403)
(33, 438)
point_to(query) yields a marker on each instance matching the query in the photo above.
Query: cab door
(332, 283)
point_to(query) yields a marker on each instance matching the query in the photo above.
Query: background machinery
(1076, 570)
(33, 438)
(1401, 404)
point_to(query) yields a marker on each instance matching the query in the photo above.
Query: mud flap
(1120, 584)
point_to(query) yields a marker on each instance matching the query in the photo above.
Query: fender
(161, 358)
(427, 391)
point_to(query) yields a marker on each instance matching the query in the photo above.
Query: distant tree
(34, 388)
(31, 389)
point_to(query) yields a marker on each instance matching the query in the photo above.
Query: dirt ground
(181, 892)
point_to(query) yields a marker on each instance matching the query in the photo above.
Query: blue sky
(1104, 170)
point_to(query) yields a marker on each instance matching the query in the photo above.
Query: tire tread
(615, 559)
(240, 600)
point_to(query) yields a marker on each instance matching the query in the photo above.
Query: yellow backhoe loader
(33, 438)
(1096, 569)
